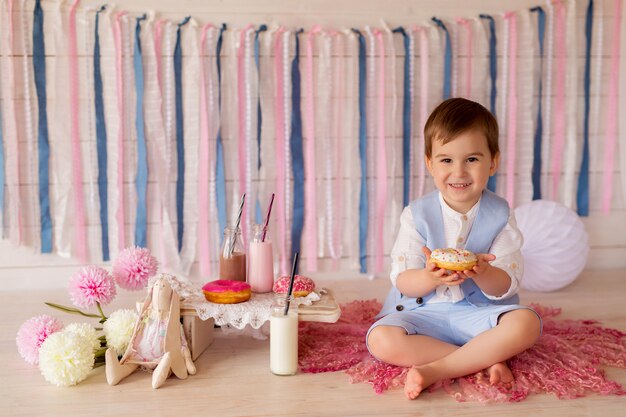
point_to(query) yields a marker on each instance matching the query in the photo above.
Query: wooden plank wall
(21, 268)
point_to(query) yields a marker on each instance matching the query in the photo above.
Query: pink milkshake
(260, 261)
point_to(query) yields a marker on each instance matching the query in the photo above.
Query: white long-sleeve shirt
(407, 250)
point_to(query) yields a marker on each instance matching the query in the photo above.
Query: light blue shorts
(455, 323)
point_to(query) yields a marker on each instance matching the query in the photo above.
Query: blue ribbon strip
(180, 142)
(258, 214)
(141, 180)
(406, 119)
(582, 195)
(101, 142)
(447, 64)
(363, 200)
(493, 73)
(297, 157)
(220, 179)
(536, 170)
(39, 65)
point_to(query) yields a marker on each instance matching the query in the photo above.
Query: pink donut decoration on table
(302, 285)
(226, 291)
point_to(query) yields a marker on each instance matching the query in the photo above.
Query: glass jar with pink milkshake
(260, 260)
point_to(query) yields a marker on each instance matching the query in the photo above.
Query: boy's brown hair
(457, 115)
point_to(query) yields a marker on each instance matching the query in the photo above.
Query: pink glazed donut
(302, 285)
(226, 291)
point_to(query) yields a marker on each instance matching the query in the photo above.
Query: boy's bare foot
(417, 380)
(499, 373)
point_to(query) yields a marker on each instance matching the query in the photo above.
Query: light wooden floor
(233, 376)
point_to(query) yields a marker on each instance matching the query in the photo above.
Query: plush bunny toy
(158, 341)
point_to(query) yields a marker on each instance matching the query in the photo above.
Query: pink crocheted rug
(566, 361)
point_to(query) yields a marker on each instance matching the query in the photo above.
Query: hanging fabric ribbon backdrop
(149, 131)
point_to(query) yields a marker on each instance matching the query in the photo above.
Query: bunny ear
(173, 335)
(555, 246)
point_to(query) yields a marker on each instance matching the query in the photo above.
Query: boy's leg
(392, 344)
(414, 337)
(516, 331)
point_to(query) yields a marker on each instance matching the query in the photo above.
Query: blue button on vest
(493, 215)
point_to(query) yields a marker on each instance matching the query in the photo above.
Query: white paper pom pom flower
(66, 358)
(85, 330)
(555, 246)
(119, 328)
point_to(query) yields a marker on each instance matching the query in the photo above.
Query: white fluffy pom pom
(118, 329)
(555, 246)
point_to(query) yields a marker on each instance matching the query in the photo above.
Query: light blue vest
(493, 215)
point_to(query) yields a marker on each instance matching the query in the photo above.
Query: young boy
(446, 324)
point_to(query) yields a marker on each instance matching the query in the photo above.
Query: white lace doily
(254, 312)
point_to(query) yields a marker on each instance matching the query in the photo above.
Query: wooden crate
(199, 333)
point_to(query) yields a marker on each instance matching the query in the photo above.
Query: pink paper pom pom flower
(90, 286)
(133, 268)
(32, 333)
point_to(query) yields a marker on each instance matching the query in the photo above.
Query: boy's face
(461, 169)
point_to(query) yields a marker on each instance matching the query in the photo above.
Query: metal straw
(267, 218)
(232, 242)
(294, 268)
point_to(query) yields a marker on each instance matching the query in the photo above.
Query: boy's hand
(442, 276)
(481, 267)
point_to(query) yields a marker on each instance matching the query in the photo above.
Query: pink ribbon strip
(80, 231)
(157, 33)
(381, 160)
(512, 109)
(559, 99)
(204, 245)
(612, 111)
(469, 38)
(280, 148)
(424, 59)
(336, 217)
(310, 192)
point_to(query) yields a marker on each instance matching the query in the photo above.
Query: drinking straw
(293, 275)
(232, 242)
(267, 218)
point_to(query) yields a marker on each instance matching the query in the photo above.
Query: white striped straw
(232, 242)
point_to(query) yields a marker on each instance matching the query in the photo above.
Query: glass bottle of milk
(284, 336)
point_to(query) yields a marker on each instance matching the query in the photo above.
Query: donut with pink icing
(227, 291)
(453, 259)
(302, 285)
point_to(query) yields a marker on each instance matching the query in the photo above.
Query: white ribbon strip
(595, 121)
(372, 120)
(191, 124)
(157, 147)
(393, 145)
(58, 117)
(351, 167)
(572, 141)
(10, 126)
(90, 170)
(527, 50)
(31, 231)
